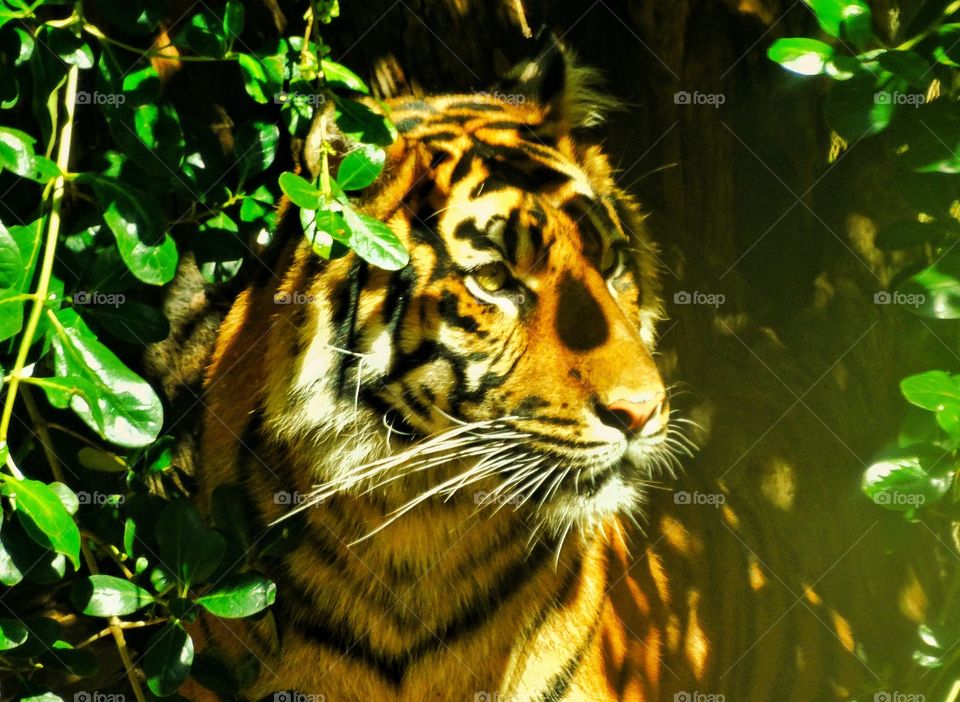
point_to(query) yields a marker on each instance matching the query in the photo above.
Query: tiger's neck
(446, 591)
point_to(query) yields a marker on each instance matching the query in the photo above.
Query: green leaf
(28, 238)
(11, 262)
(68, 45)
(361, 167)
(204, 35)
(262, 76)
(12, 634)
(218, 249)
(138, 223)
(807, 57)
(855, 108)
(135, 322)
(252, 210)
(909, 65)
(853, 16)
(16, 151)
(360, 123)
(300, 191)
(168, 660)
(130, 539)
(107, 596)
(374, 241)
(339, 76)
(233, 20)
(124, 409)
(909, 478)
(54, 527)
(141, 86)
(255, 148)
(138, 18)
(157, 127)
(931, 390)
(947, 50)
(187, 545)
(325, 230)
(68, 498)
(101, 461)
(239, 596)
(11, 312)
(936, 289)
(42, 697)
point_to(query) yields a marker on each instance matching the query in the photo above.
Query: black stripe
(559, 441)
(346, 307)
(448, 308)
(342, 639)
(399, 290)
(560, 683)
(474, 105)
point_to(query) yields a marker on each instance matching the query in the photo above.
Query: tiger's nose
(636, 416)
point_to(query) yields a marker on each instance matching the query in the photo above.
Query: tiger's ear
(566, 92)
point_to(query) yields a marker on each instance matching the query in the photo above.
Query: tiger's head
(516, 350)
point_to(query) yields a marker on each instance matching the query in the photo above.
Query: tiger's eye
(611, 262)
(491, 276)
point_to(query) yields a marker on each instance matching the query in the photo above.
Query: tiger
(460, 441)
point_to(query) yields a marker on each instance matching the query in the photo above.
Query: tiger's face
(520, 338)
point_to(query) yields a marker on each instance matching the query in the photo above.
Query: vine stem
(49, 252)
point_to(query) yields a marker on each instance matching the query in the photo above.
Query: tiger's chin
(612, 491)
(591, 507)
